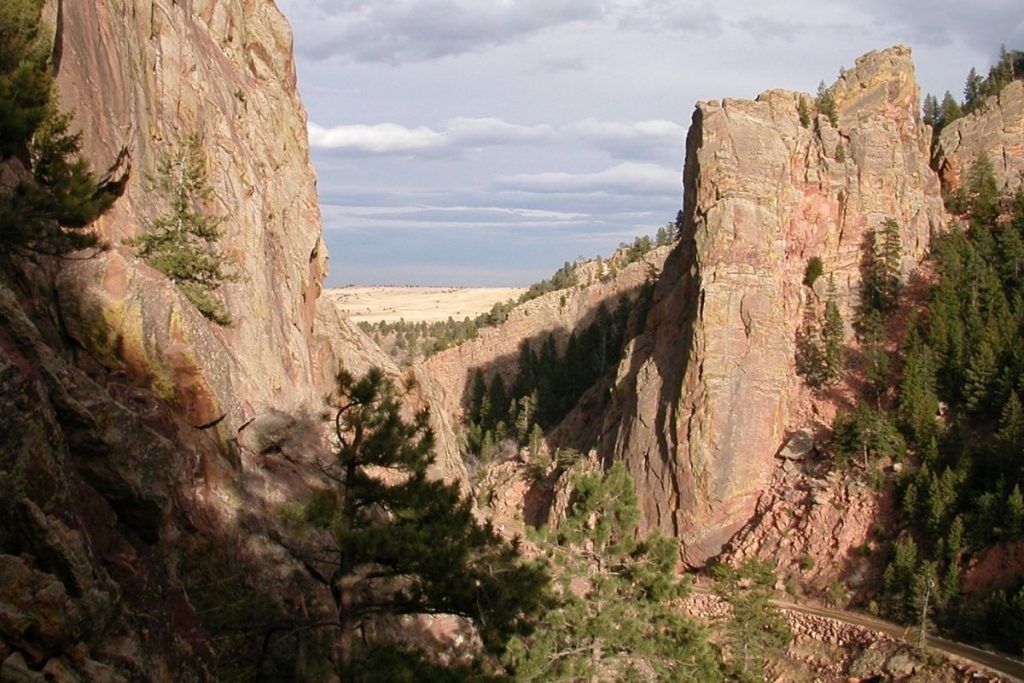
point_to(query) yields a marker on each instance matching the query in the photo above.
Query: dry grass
(416, 304)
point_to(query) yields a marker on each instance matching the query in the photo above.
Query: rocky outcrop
(87, 490)
(996, 129)
(496, 349)
(143, 75)
(340, 343)
(812, 525)
(707, 394)
(147, 454)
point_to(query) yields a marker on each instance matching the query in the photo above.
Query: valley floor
(418, 304)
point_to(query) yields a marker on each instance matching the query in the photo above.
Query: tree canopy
(396, 542)
(55, 196)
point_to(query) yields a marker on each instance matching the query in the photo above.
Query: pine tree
(916, 400)
(182, 243)
(832, 337)
(949, 110)
(972, 89)
(1014, 513)
(982, 194)
(826, 104)
(930, 111)
(400, 543)
(49, 207)
(1010, 435)
(803, 111)
(756, 630)
(897, 580)
(615, 619)
(876, 358)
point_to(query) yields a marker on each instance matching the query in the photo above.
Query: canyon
(140, 438)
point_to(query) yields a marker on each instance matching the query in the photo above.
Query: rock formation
(996, 129)
(144, 75)
(144, 446)
(496, 349)
(707, 395)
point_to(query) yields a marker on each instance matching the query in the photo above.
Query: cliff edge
(708, 394)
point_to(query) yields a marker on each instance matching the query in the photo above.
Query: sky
(486, 142)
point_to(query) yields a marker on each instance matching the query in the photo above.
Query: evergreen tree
(1010, 435)
(876, 358)
(930, 111)
(826, 104)
(400, 543)
(832, 337)
(814, 270)
(916, 400)
(803, 111)
(972, 89)
(949, 110)
(898, 579)
(50, 205)
(1014, 513)
(756, 631)
(615, 619)
(982, 194)
(182, 244)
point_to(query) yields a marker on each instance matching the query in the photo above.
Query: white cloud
(380, 138)
(625, 178)
(633, 140)
(390, 138)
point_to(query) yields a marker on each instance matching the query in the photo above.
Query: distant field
(415, 304)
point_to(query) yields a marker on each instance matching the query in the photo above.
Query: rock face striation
(143, 75)
(707, 395)
(496, 349)
(146, 452)
(996, 130)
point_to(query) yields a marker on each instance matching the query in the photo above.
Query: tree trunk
(346, 637)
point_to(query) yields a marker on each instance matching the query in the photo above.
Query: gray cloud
(981, 24)
(459, 133)
(625, 178)
(635, 140)
(398, 31)
(403, 31)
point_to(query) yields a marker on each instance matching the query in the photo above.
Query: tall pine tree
(400, 543)
(615, 619)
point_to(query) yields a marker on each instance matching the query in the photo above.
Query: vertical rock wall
(707, 395)
(144, 75)
(996, 130)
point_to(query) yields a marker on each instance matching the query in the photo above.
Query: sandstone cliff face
(708, 393)
(496, 349)
(143, 75)
(996, 130)
(144, 447)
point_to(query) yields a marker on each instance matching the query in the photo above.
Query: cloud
(982, 24)
(404, 31)
(625, 178)
(401, 31)
(390, 138)
(633, 140)
(638, 139)
(432, 217)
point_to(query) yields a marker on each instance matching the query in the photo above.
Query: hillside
(811, 381)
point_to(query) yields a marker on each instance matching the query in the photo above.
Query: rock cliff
(996, 129)
(709, 392)
(496, 349)
(143, 75)
(146, 452)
